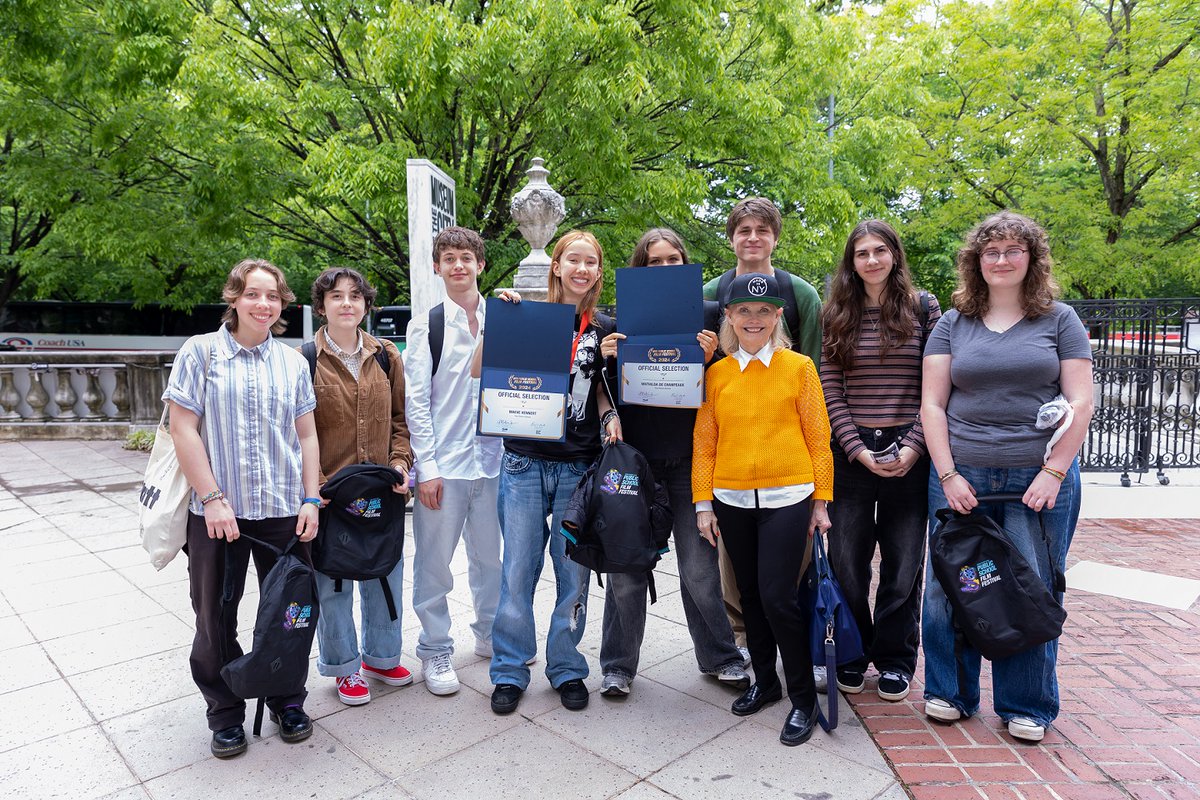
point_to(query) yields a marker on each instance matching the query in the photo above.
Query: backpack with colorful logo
(1000, 604)
(277, 665)
(619, 517)
(362, 527)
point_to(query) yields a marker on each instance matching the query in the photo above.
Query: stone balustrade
(80, 395)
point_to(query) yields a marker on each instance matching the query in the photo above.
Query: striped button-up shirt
(248, 401)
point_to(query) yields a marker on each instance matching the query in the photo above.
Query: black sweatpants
(767, 547)
(216, 641)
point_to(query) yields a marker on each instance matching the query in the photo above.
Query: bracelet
(215, 494)
(945, 476)
(608, 417)
(1060, 475)
(316, 501)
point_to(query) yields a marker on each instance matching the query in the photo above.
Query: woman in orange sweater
(762, 474)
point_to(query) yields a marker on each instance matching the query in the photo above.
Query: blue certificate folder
(526, 369)
(660, 310)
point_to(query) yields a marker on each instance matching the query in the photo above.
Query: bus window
(55, 325)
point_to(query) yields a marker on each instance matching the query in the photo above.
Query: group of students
(815, 418)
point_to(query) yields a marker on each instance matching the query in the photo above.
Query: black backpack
(277, 664)
(362, 527)
(1000, 604)
(619, 517)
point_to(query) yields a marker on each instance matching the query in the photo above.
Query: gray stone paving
(97, 701)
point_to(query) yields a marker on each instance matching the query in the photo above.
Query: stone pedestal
(537, 210)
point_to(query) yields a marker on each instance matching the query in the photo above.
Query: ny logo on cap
(757, 286)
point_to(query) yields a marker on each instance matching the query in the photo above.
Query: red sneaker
(396, 676)
(353, 690)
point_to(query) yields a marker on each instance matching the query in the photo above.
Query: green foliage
(139, 440)
(146, 145)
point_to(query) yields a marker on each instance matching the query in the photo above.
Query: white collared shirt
(442, 413)
(771, 497)
(764, 355)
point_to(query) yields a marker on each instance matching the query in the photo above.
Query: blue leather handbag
(834, 638)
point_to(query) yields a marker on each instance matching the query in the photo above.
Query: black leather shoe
(574, 694)
(754, 698)
(798, 727)
(228, 742)
(294, 724)
(505, 698)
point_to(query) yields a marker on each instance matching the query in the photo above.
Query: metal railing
(1145, 372)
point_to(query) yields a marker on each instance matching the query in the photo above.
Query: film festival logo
(664, 355)
(524, 383)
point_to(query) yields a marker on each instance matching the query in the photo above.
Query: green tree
(95, 202)
(1080, 114)
(648, 111)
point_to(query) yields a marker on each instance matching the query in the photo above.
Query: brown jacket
(362, 420)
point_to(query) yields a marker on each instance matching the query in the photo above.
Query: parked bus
(56, 325)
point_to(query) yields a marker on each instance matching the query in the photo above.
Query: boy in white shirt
(457, 472)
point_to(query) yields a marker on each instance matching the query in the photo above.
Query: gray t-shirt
(999, 380)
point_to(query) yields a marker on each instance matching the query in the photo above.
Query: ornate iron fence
(1146, 368)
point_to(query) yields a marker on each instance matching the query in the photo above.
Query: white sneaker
(1026, 729)
(440, 677)
(821, 680)
(745, 651)
(941, 710)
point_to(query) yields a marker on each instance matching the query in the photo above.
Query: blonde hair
(554, 286)
(235, 286)
(728, 340)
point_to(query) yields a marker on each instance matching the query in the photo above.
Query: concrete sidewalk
(97, 700)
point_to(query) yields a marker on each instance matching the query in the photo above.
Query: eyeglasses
(993, 256)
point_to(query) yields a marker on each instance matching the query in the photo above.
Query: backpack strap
(923, 311)
(258, 716)
(384, 361)
(650, 587)
(309, 351)
(437, 334)
(791, 309)
(387, 597)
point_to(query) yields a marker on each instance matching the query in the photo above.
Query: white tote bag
(163, 505)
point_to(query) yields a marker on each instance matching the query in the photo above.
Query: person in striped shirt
(875, 328)
(254, 469)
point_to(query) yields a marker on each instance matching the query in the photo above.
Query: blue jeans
(699, 587)
(1024, 685)
(532, 489)
(468, 510)
(336, 641)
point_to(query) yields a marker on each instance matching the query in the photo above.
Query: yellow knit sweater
(764, 427)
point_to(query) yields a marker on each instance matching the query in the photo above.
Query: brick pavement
(1129, 677)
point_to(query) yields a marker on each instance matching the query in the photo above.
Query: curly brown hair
(235, 284)
(842, 314)
(1038, 290)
